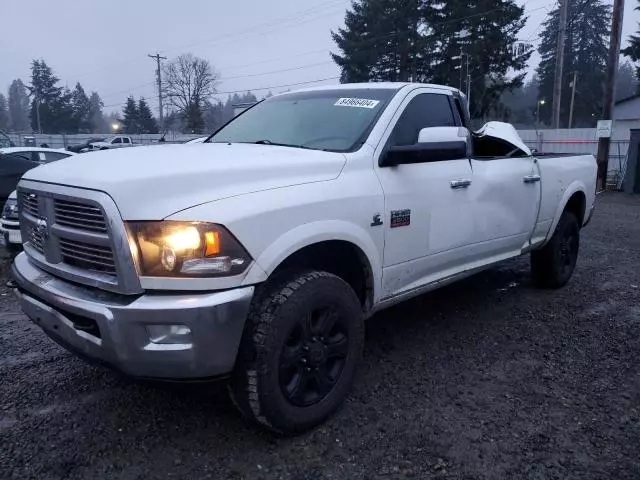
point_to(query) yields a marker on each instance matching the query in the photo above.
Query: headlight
(185, 249)
(10, 210)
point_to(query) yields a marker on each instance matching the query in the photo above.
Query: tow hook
(12, 284)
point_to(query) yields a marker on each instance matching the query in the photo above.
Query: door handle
(531, 178)
(461, 183)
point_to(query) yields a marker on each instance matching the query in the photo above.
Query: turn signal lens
(213, 244)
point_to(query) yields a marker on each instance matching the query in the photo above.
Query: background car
(86, 146)
(16, 161)
(112, 142)
(9, 222)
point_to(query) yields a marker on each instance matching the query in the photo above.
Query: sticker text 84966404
(356, 102)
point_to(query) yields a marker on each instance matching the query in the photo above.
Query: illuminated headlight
(10, 210)
(185, 249)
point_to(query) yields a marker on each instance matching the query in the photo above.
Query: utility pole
(468, 84)
(609, 91)
(157, 58)
(38, 112)
(557, 84)
(573, 97)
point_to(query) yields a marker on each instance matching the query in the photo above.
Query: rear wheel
(299, 352)
(553, 265)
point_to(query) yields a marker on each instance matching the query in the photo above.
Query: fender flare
(321, 231)
(574, 187)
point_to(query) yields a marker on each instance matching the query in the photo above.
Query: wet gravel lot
(488, 378)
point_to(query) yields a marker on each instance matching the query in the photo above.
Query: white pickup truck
(258, 254)
(111, 142)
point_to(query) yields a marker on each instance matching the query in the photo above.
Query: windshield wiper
(269, 142)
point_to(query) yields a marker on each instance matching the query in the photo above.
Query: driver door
(428, 206)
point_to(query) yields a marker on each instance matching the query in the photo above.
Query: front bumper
(10, 229)
(112, 329)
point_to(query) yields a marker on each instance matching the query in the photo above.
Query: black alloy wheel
(313, 356)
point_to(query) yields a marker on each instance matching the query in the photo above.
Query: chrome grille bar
(78, 235)
(80, 216)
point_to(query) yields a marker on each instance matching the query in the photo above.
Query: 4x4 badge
(377, 220)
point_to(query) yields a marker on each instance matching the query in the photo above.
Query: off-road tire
(553, 265)
(255, 386)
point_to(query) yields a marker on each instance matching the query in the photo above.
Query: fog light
(169, 333)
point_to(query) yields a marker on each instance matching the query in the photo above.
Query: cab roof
(376, 85)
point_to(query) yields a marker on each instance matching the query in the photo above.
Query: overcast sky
(253, 44)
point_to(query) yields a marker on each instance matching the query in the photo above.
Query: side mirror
(434, 144)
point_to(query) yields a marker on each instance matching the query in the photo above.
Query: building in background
(626, 115)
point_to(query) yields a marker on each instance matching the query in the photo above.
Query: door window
(117, 140)
(126, 140)
(424, 110)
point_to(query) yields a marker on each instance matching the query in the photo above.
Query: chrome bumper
(114, 329)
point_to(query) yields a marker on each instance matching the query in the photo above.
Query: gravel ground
(488, 378)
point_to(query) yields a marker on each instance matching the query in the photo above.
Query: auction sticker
(356, 102)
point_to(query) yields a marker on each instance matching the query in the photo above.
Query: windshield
(332, 120)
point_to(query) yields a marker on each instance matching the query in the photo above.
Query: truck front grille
(80, 216)
(94, 258)
(29, 202)
(35, 238)
(78, 235)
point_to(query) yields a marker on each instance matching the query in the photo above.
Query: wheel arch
(574, 199)
(338, 247)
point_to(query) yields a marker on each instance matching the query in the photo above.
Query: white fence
(581, 140)
(63, 141)
(576, 140)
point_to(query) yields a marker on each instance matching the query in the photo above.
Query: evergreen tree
(81, 107)
(146, 122)
(46, 96)
(130, 114)
(626, 83)
(213, 116)
(63, 113)
(487, 32)
(384, 40)
(18, 107)
(585, 52)
(194, 120)
(96, 117)
(4, 113)
(520, 106)
(417, 40)
(633, 50)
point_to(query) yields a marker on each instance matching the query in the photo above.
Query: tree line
(454, 41)
(189, 90)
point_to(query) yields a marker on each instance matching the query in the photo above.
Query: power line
(277, 71)
(378, 37)
(248, 32)
(272, 87)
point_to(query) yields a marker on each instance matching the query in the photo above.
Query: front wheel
(299, 353)
(553, 265)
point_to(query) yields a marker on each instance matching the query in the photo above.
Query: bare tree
(188, 83)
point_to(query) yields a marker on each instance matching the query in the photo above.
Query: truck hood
(151, 183)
